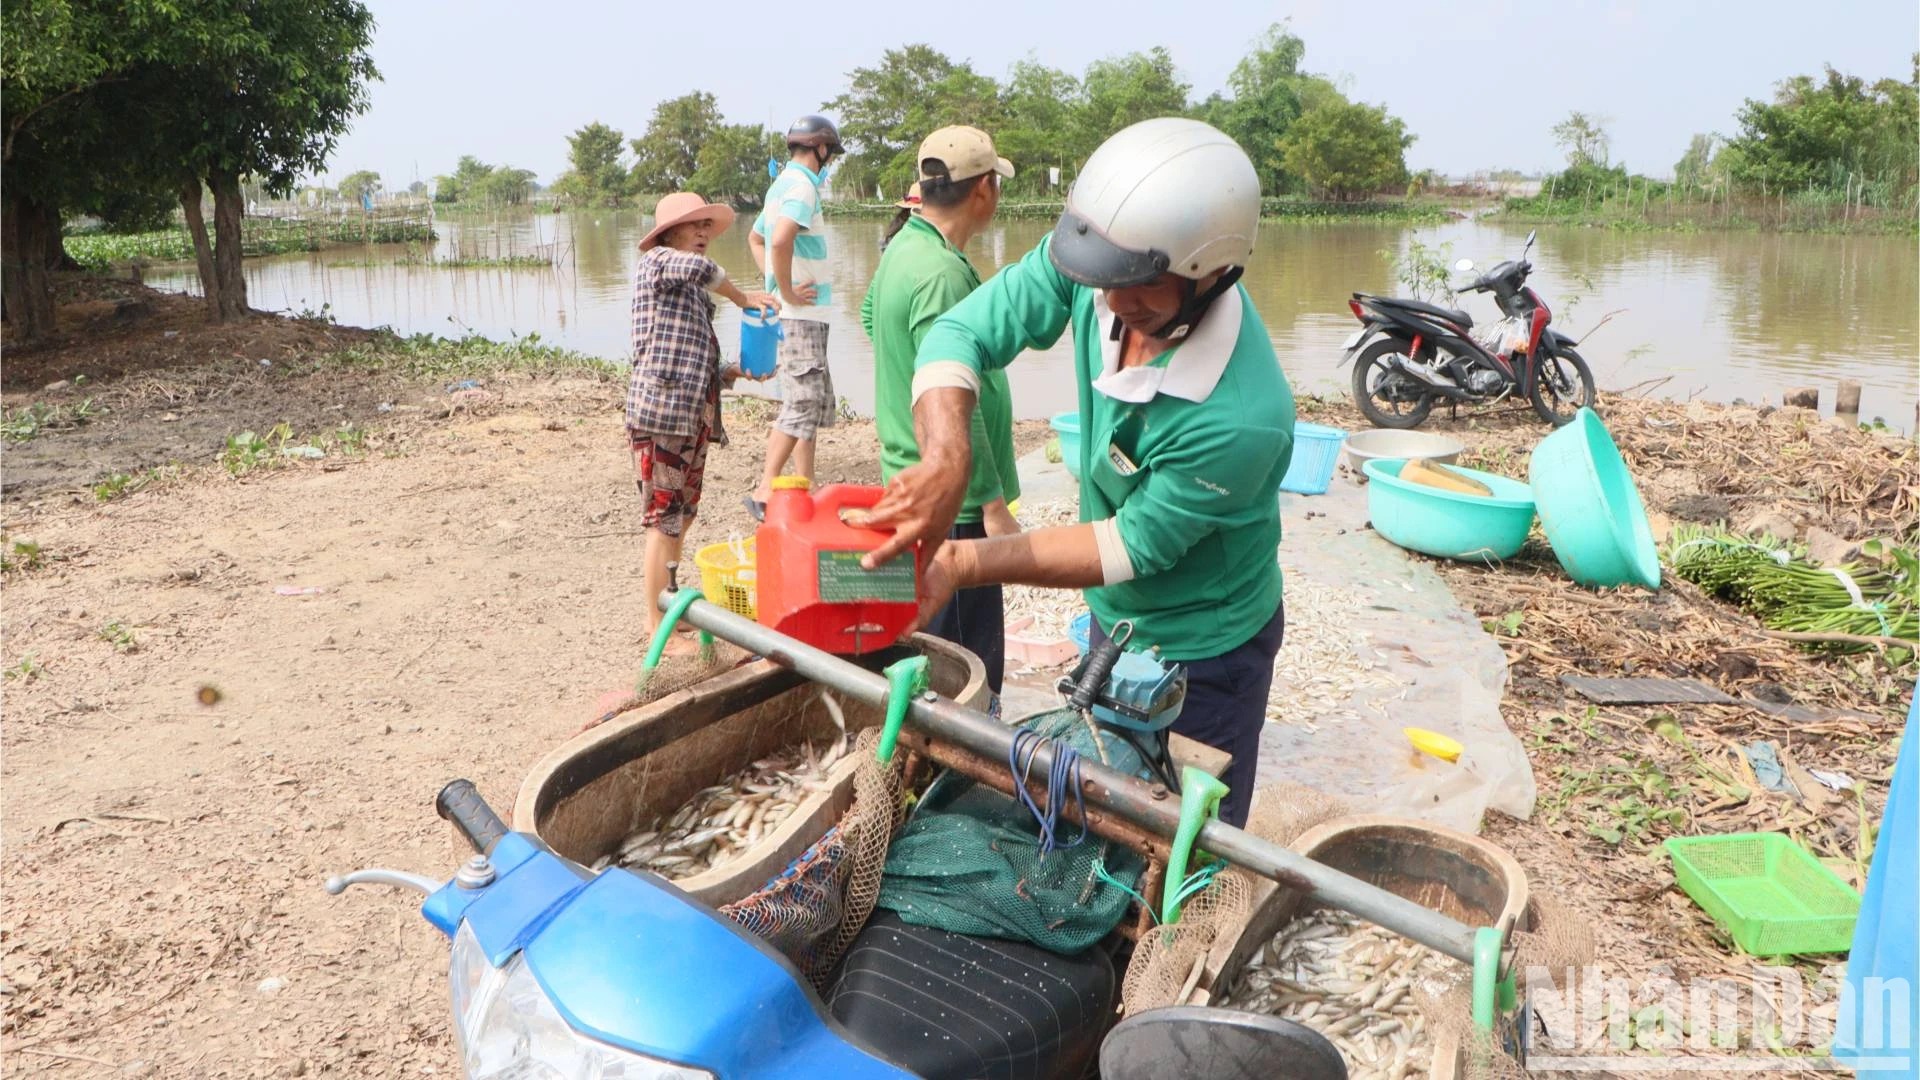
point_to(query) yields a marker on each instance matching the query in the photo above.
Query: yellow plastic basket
(727, 575)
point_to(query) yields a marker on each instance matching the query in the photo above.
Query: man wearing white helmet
(1187, 421)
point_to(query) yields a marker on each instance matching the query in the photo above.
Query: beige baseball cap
(965, 151)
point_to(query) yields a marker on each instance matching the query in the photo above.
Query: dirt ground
(477, 566)
(163, 914)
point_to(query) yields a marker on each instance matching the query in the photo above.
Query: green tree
(1037, 125)
(669, 153)
(733, 165)
(889, 108)
(468, 173)
(1584, 138)
(1266, 90)
(417, 188)
(56, 58)
(503, 186)
(356, 184)
(1344, 149)
(304, 67)
(1695, 168)
(1127, 89)
(1830, 134)
(597, 177)
(145, 95)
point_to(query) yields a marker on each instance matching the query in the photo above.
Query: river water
(1712, 315)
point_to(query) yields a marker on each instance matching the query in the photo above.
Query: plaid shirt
(676, 356)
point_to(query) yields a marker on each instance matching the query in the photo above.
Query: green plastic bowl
(1446, 524)
(1590, 509)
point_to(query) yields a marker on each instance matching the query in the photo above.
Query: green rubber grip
(1486, 978)
(906, 680)
(1200, 795)
(669, 620)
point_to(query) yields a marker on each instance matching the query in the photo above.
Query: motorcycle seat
(1452, 315)
(950, 1007)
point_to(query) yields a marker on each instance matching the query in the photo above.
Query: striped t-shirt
(795, 194)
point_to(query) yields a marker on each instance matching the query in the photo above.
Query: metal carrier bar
(1144, 807)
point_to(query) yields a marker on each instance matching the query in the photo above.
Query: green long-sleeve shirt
(920, 276)
(1184, 454)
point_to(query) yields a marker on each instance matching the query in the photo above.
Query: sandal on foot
(755, 507)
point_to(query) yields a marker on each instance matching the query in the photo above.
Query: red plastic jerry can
(811, 585)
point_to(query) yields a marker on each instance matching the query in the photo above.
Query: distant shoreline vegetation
(262, 236)
(1649, 209)
(1271, 209)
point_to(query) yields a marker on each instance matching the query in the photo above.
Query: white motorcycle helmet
(1163, 196)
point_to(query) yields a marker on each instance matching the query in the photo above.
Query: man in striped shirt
(787, 243)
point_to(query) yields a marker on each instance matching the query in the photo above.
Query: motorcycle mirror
(1531, 233)
(1227, 1044)
(1463, 265)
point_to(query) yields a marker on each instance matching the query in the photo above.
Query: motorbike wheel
(1390, 398)
(1562, 387)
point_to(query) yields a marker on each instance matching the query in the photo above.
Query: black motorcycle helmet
(816, 132)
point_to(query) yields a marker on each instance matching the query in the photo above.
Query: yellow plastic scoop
(1432, 742)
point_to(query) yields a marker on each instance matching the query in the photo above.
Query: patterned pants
(807, 403)
(670, 469)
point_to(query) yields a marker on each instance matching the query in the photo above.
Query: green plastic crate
(1767, 891)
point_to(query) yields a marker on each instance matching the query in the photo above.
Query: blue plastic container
(1590, 509)
(1316, 449)
(1067, 427)
(1884, 946)
(1081, 631)
(1447, 524)
(760, 335)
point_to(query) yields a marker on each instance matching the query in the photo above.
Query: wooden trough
(1456, 873)
(588, 795)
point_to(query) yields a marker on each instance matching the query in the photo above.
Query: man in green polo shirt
(1187, 421)
(923, 272)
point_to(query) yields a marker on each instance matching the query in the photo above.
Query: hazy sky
(1479, 81)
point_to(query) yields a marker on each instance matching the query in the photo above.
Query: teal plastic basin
(1067, 426)
(1447, 524)
(1590, 509)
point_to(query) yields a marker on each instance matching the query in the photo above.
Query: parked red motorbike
(1413, 354)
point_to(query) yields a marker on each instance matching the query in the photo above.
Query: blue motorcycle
(560, 972)
(557, 972)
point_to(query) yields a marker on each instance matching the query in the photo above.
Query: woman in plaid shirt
(673, 401)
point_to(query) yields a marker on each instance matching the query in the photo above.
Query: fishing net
(675, 673)
(1168, 961)
(974, 861)
(814, 908)
(1556, 944)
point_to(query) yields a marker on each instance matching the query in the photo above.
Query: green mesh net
(970, 861)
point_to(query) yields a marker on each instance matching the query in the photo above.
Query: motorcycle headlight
(508, 1029)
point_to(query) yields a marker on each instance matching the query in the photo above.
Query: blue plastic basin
(1316, 449)
(1081, 631)
(1590, 509)
(1447, 524)
(1067, 427)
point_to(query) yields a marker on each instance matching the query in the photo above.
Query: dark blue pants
(1227, 706)
(976, 619)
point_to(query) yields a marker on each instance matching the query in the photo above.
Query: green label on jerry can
(844, 581)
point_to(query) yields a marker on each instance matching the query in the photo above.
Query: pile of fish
(728, 818)
(1352, 982)
(1052, 610)
(1320, 667)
